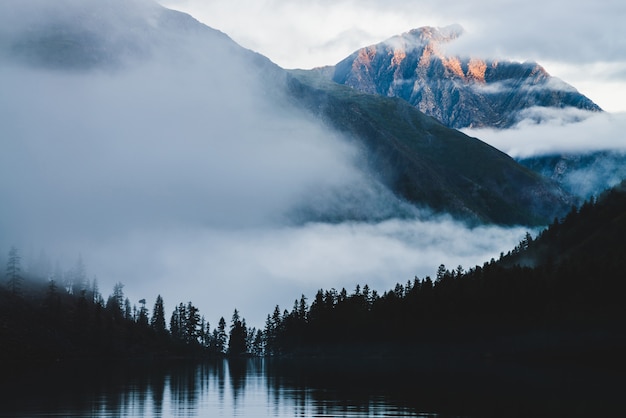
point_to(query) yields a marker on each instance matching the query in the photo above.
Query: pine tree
(220, 340)
(142, 317)
(238, 336)
(157, 322)
(205, 336)
(14, 271)
(95, 291)
(118, 296)
(191, 324)
(257, 343)
(303, 308)
(175, 324)
(128, 310)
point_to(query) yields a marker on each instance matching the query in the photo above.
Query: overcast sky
(175, 176)
(581, 42)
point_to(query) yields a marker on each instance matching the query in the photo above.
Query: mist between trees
(66, 316)
(564, 283)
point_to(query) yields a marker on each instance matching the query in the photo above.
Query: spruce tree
(192, 324)
(220, 341)
(14, 271)
(238, 336)
(142, 317)
(157, 322)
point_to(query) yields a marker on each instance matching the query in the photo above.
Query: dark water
(322, 388)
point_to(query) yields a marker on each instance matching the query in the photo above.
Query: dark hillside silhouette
(557, 296)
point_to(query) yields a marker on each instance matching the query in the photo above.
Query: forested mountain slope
(432, 165)
(556, 298)
(583, 174)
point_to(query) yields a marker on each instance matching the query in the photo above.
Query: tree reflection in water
(287, 388)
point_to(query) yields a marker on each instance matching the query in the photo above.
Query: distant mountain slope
(460, 92)
(582, 174)
(429, 164)
(591, 236)
(94, 34)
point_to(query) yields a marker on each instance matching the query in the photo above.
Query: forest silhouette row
(560, 294)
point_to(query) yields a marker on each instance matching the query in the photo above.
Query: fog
(589, 174)
(183, 171)
(255, 268)
(172, 185)
(552, 131)
(584, 151)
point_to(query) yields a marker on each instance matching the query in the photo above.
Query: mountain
(584, 174)
(458, 91)
(430, 164)
(241, 101)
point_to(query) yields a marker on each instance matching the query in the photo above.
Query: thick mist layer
(549, 131)
(171, 186)
(254, 269)
(585, 174)
(132, 149)
(584, 152)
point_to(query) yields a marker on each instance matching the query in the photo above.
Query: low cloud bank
(552, 131)
(584, 152)
(254, 269)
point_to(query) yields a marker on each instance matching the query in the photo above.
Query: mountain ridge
(459, 91)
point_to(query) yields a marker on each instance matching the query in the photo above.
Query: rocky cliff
(458, 91)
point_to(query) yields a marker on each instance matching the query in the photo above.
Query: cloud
(254, 269)
(300, 34)
(155, 145)
(605, 171)
(557, 134)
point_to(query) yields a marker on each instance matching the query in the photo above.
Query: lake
(311, 388)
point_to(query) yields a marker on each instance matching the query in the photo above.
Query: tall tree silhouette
(157, 322)
(14, 271)
(220, 336)
(142, 317)
(238, 336)
(191, 324)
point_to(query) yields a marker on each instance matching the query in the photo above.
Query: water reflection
(262, 388)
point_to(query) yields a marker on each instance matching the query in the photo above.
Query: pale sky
(583, 43)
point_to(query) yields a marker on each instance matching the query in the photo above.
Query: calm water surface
(271, 388)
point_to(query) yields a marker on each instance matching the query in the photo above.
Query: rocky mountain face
(459, 92)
